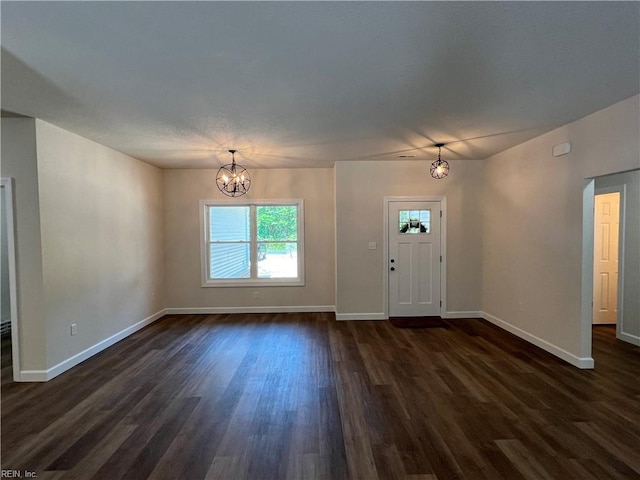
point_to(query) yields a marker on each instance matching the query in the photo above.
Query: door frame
(588, 226)
(7, 184)
(443, 248)
(619, 189)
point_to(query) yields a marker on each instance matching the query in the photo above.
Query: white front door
(414, 259)
(605, 261)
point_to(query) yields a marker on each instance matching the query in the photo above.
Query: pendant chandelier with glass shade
(233, 180)
(440, 168)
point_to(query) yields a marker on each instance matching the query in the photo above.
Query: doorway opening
(618, 303)
(9, 324)
(606, 237)
(606, 241)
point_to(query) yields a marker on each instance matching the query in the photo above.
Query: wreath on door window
(413, 224)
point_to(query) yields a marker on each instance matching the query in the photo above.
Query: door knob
(393, 268)
(392, 260)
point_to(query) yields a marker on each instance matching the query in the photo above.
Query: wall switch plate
(74, 329)
(373, 245)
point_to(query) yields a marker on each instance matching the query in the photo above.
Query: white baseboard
(473, 314)
(361, 316)
(46, 375)
(580, 362)
(32, 376)
(382, 316)
(266, 309)
(627, 337)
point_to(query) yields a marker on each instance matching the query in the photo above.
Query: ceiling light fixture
(440, 168)
(233, 180)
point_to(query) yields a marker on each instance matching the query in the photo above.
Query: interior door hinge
(440, 258)
(441, 303)
(440, 213)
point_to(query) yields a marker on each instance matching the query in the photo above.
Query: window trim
(205, 264)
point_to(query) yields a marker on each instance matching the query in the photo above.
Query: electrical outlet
(74, 329)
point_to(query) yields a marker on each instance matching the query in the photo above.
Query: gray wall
(89, 242)
(533, 230)
(19, 161)
(183, 190)
(360, 190)
(102, 240)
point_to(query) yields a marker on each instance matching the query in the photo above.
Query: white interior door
(414, 259)
(605, 261)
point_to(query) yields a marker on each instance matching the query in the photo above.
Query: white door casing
(6, 184)
(414, 258)
(605, 261)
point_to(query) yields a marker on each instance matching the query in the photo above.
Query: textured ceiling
(177, 84)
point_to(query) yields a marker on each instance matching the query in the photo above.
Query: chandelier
(233, 180)
(440, 168)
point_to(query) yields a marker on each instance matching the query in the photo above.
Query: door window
(414, 221)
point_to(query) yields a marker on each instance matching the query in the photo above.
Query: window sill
(284, 282)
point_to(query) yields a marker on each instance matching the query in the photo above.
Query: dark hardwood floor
(6, 370)
(297, 396)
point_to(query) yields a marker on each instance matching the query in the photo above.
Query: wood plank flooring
(6, 370)
(301, 396)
